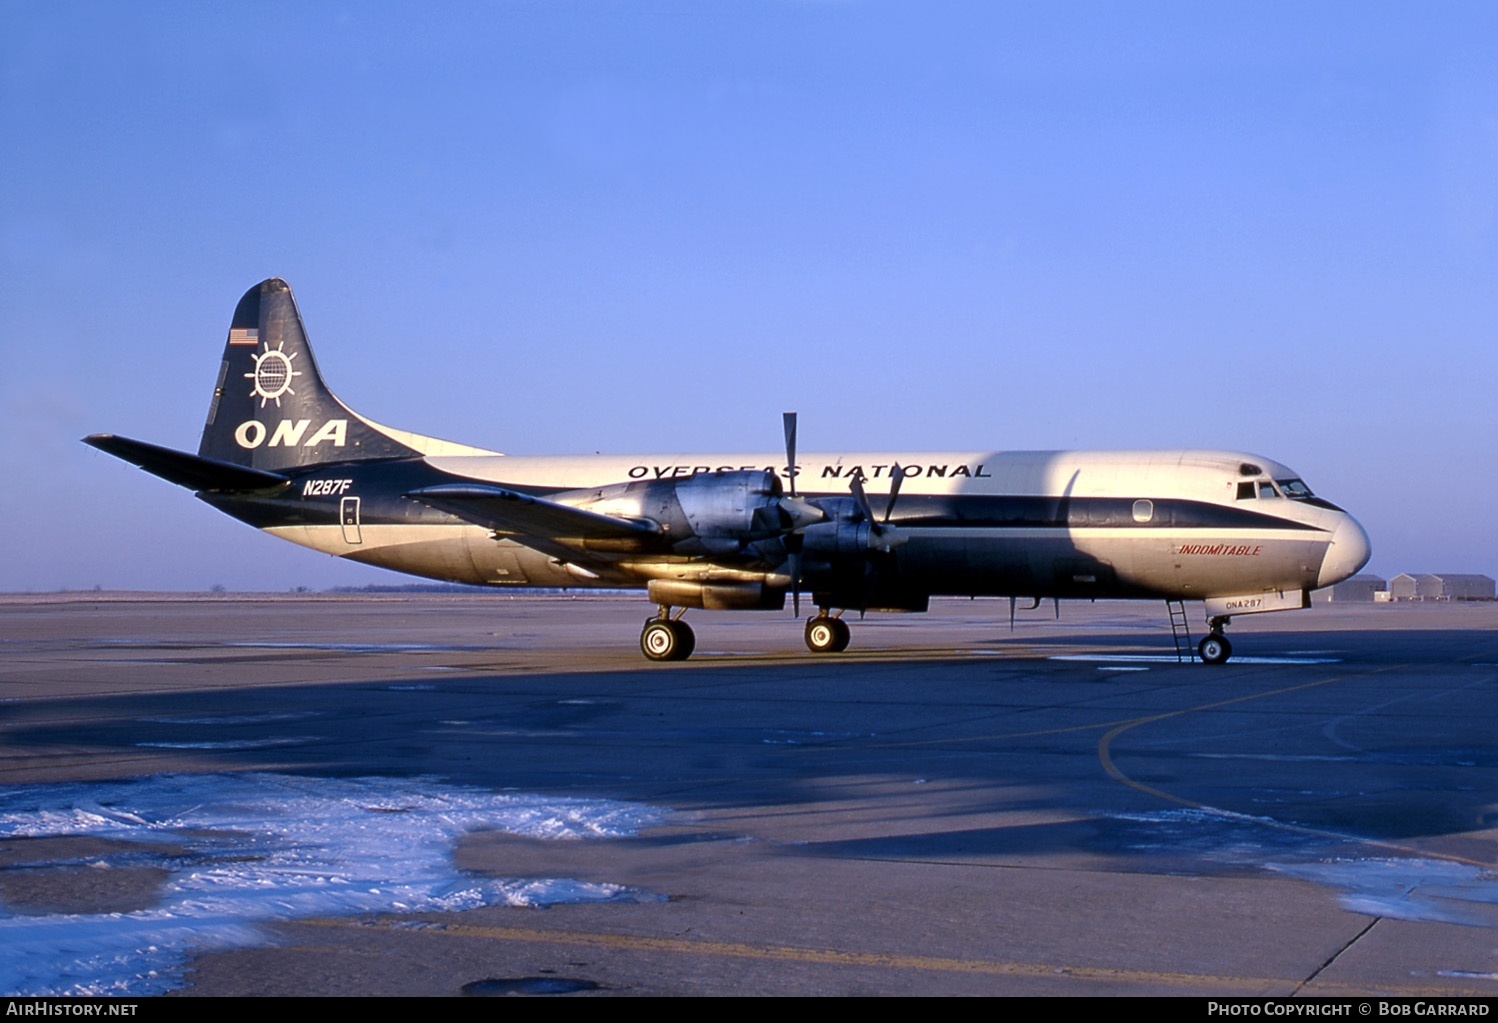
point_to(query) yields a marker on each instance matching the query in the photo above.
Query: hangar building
(1440, 586)
(1357, 590)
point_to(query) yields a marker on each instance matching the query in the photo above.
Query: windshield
(1295, 488)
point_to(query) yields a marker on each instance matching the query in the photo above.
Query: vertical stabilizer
(271, 409)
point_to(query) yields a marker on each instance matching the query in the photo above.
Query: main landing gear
(826, 634)
(667, 639)
(1215, 649)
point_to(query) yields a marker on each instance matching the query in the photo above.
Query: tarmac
(951, 807)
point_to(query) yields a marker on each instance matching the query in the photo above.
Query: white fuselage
(1178, 524)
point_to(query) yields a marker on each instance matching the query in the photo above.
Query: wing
(529, 519)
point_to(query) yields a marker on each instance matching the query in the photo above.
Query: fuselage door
(348, 515)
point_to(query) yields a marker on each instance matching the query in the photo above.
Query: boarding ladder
(1180, 630)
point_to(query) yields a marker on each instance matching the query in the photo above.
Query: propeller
(883, 536)
(794, 541)
(798, 513)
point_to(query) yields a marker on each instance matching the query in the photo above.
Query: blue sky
(567, 227)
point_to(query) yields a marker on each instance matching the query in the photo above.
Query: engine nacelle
(706, 513)
(847, 563)
(741, 505)
(841, 540)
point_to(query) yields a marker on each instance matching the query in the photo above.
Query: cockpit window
(1295, 489)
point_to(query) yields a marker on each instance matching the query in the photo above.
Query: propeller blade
(793, 555)
(856, 485)
(898, 475)
(789, 420)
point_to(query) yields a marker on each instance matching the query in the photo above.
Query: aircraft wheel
(826, 635)
(1215, 650)
(665, 640)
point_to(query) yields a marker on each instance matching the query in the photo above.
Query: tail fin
(271, 409)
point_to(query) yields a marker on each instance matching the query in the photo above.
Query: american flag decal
(244, 336)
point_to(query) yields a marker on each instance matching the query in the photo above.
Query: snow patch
(264, 847)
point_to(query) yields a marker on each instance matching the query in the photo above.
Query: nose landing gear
(1215, 648)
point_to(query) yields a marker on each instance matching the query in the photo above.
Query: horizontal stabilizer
(508, 511)
(191, 471)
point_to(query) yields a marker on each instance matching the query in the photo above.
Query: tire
(825, 635)
(844, 634)
(686, 637)
(663, 640)
(1215, 650)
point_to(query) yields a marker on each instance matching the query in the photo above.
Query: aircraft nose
(1349, 552)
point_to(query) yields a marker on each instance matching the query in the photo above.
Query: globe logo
(272, 375)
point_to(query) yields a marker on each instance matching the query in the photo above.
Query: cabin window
(1266, 489)
(1144, 510)
(1246, 491)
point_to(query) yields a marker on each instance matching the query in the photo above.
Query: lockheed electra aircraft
(856, 531)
